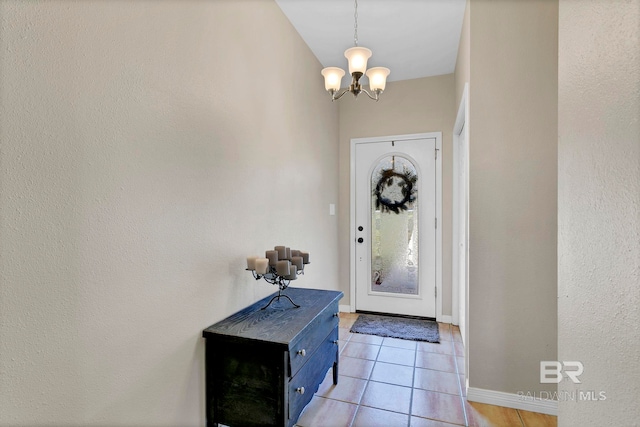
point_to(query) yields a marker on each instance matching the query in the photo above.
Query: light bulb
(332, 78)
(357, 57)
(378, 78)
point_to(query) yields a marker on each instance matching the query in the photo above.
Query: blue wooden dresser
(264, 365)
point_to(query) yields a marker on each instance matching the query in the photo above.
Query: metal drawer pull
(302, 353)
(335, 342)
(336, 314)
(300, 390)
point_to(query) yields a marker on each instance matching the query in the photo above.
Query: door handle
(360, 240)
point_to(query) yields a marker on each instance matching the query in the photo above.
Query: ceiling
(413, 38)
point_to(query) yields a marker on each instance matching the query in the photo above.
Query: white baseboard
(510, 400)
(344, 308)
(445, 319)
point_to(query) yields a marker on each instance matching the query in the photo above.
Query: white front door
(395, 220)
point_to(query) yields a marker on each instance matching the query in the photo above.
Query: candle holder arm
(271, 276)
(277, 297)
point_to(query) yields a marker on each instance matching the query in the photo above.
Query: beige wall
(599, 205)
(406, 107)
(513, 193)
(147, 149)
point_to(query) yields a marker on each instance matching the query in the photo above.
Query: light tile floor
(389, 382)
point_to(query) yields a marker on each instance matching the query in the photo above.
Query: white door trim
(461, 124)
(352, 214)
(458, 127)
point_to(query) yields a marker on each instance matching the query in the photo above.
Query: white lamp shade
(357, 57)
(378, 78)
(332, 78)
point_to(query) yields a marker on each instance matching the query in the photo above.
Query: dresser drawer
(311, 337)
(306, 382)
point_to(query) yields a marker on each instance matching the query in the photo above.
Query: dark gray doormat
(397, 327)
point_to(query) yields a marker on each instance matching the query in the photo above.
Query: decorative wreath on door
(395, 191)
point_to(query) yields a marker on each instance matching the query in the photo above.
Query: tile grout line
(413, 383)
(456, 373)
(359, 404)
(347, 341)
(455, 363)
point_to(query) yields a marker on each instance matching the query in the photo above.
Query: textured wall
(147, 149)
(598, 209)
(512, 193)
(406, 107)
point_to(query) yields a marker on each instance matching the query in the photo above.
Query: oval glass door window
(394, 226)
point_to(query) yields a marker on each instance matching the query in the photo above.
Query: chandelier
(357, 57)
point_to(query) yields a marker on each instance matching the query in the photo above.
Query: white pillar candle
(297, 261)
(281, 252)
(287, 252)
(305, 257)
(261, 265)
(292, 275)
(295, 252)
(251, 262)
(283, 268)
(272, 256)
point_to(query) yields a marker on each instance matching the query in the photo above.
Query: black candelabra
(280, 267)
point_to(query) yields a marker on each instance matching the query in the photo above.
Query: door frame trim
(461, 124)
(352, 212)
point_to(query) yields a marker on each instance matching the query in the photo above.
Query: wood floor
(389, 382)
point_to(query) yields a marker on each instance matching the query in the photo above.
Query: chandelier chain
(355, 25)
